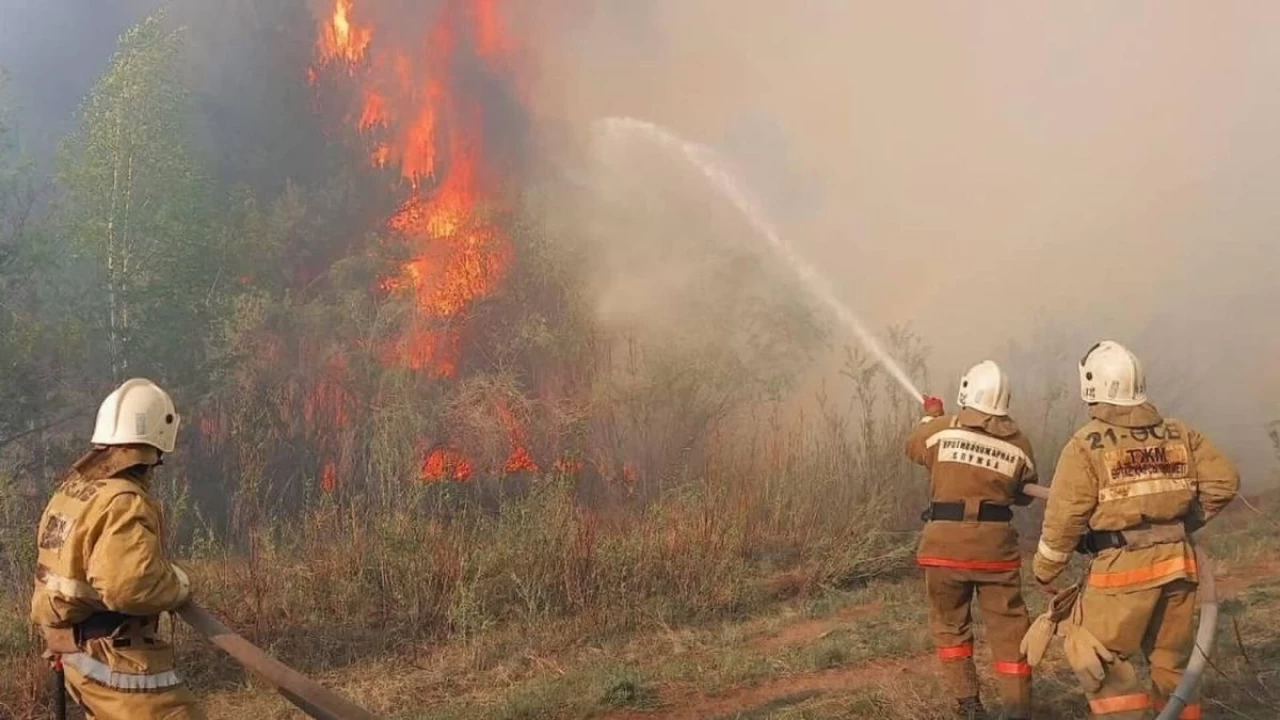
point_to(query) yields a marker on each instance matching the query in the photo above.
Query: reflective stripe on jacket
(1125, 469)
(972, 458)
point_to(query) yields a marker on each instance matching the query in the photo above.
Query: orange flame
(519, 460)
(340, 38)
(374, 113)
(420, 122)
(446, 464)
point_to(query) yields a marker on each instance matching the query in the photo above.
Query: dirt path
(807, 631)
(759, 700)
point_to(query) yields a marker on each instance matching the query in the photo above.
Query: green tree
(27, 352)
(139, 210)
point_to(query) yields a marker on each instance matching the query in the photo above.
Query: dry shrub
(338, 584)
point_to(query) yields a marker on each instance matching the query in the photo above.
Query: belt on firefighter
(954, 511)
(1145, 535)
(99, 625)
(1095, 541)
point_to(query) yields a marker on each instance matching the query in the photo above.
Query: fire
(490, 37)
(446, 464)
(375, 111)
(340, 39)
(422, 122)
(519, 460)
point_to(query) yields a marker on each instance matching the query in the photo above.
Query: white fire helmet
(985, 388)
(1112, 375)
(137, 413)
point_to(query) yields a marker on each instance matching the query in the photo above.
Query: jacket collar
(996, 425)
(1137, 416)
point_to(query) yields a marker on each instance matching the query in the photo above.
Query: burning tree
(415, 79)
(420, 342)
(443, 336)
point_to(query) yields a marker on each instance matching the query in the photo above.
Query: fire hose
(306, 694)
(1205, 634)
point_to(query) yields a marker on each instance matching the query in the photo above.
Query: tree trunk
(112, 289)
(126, 251)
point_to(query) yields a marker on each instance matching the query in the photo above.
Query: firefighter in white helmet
(978, 463)
(102, 578)
(1130, 488)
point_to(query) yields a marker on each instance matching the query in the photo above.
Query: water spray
(706, 162)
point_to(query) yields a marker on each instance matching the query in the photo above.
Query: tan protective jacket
(1131, 469)
(100, 545)
(972, 457)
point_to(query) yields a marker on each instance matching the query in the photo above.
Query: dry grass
(861, 652)
(770, 578)
(832, 652)
(340, 588)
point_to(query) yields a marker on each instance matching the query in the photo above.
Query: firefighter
(102, 579)
(1130, 488)
(978, 462)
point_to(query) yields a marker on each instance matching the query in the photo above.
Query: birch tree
(138, 208)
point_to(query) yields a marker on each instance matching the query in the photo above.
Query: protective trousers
(129, 677)
(999, 595)
(1159, 623)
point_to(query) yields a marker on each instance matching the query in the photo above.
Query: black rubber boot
(970, 708)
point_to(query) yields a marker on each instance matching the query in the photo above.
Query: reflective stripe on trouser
(137, 682)
(1158, 623)
(999, 596)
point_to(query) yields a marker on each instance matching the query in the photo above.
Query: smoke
(53, 51)
(1013, 182)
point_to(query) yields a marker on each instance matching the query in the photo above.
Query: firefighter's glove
(1088, 657)
(933, 406)
(1036, 642)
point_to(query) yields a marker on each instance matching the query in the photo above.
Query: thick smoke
(1013, 182)
(53, 51)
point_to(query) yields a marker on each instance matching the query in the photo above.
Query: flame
(340, 39)
(328, 405)
(422, 123)
(374, 113)
(329, 478)
(446, 464)
(491, 40)
(519, 460)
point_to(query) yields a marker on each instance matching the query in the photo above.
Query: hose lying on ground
(309, 696)
(1204, 635)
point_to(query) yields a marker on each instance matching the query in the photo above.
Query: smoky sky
(53, 52)
(1029, 175)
